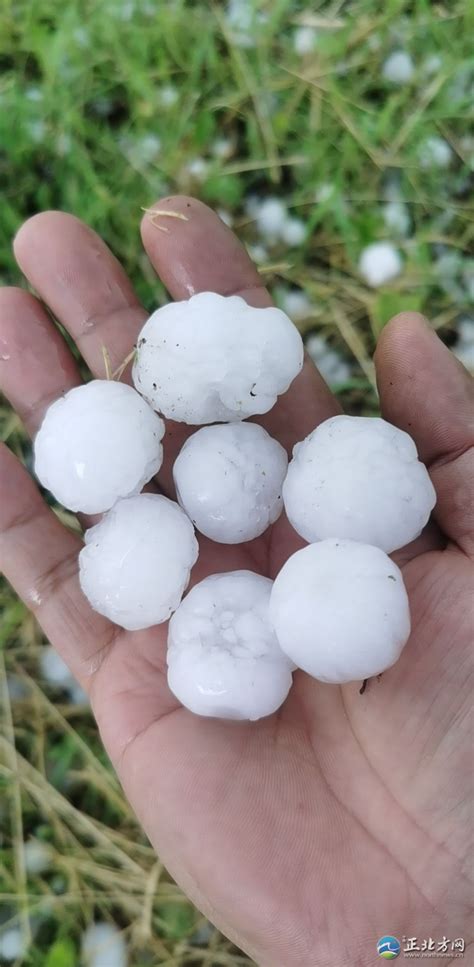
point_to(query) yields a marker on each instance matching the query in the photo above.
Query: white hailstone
(295, 303)
(99, 442)
(271, 216)
(136, 561)
(63, 144)
(252, 205)
(340, 611)
(53, 668)
(398, 68)
(81, 36)
(104, 946)
(464, 348)
(36, 130)
(243, 19)
(397, 218)
(333, 368)
(324, 193)
(12, 944)
(215, 358)
(222, 148)
(34, 94)
(258, 253)
(304, 40)
(432, 65)
(223, 656)
(379, 263)
(147, 147)
(225, 217)
(37, 856)
(228, 479)
(468, 279)
(293, 231)
(197, 168)
(359, 478)
(168, 95)
(435, 152)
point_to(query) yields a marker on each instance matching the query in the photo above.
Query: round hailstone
(136, 561)
(398, 68)
(340, 610)
(379, 263)
(215, 358)
(104, 946)
(358, 478)
(38, 856)
(228, 480)
(99, 442)
(223, 656)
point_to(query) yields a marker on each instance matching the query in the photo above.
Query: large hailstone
(228, 479)
(99, 442)
(358, 478)
(340, 610)
(223, 656)
(136, 561)
(215, 358)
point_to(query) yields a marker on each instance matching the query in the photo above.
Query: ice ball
(340, 610)
(99, 442)
(223, 656)
(358, 478)
(228, 480)
(136, 561)
(214, 358)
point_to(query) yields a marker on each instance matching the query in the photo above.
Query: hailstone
(223, 656)
(215, 358)
(358, 478)
(340, 610)
(379, 263)
(228, 480)
(99, 442)
(136, 561)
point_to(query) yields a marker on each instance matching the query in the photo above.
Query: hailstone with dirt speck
(223, 656)
(228, 479)
(136, 562)
(214, 358)
(358, 478)
(99, 442)
(340, 610)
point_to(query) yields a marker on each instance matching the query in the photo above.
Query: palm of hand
(308, 835)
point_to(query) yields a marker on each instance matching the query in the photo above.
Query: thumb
(427, 392)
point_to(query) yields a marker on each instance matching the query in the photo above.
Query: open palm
(307, 835)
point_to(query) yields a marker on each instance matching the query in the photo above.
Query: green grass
(80, 87)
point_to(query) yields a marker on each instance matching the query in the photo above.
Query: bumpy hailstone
(103, 946)
(215, 358)
(136, 561)
(228, 480)
(99, 442)
(398, 68)
(379, 263)
(223, 656)
(340, 610)
(358, 478)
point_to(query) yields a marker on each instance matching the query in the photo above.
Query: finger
(200, 254)
(36, 366)
(85, 286)
(38, 555)
(425, 391)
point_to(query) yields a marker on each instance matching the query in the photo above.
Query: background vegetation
(103, 107)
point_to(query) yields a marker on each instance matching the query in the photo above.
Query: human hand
(308, 835)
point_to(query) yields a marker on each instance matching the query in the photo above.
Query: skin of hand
(308, 835)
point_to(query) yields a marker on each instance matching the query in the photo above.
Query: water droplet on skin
(5, 356)
(34, 597)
